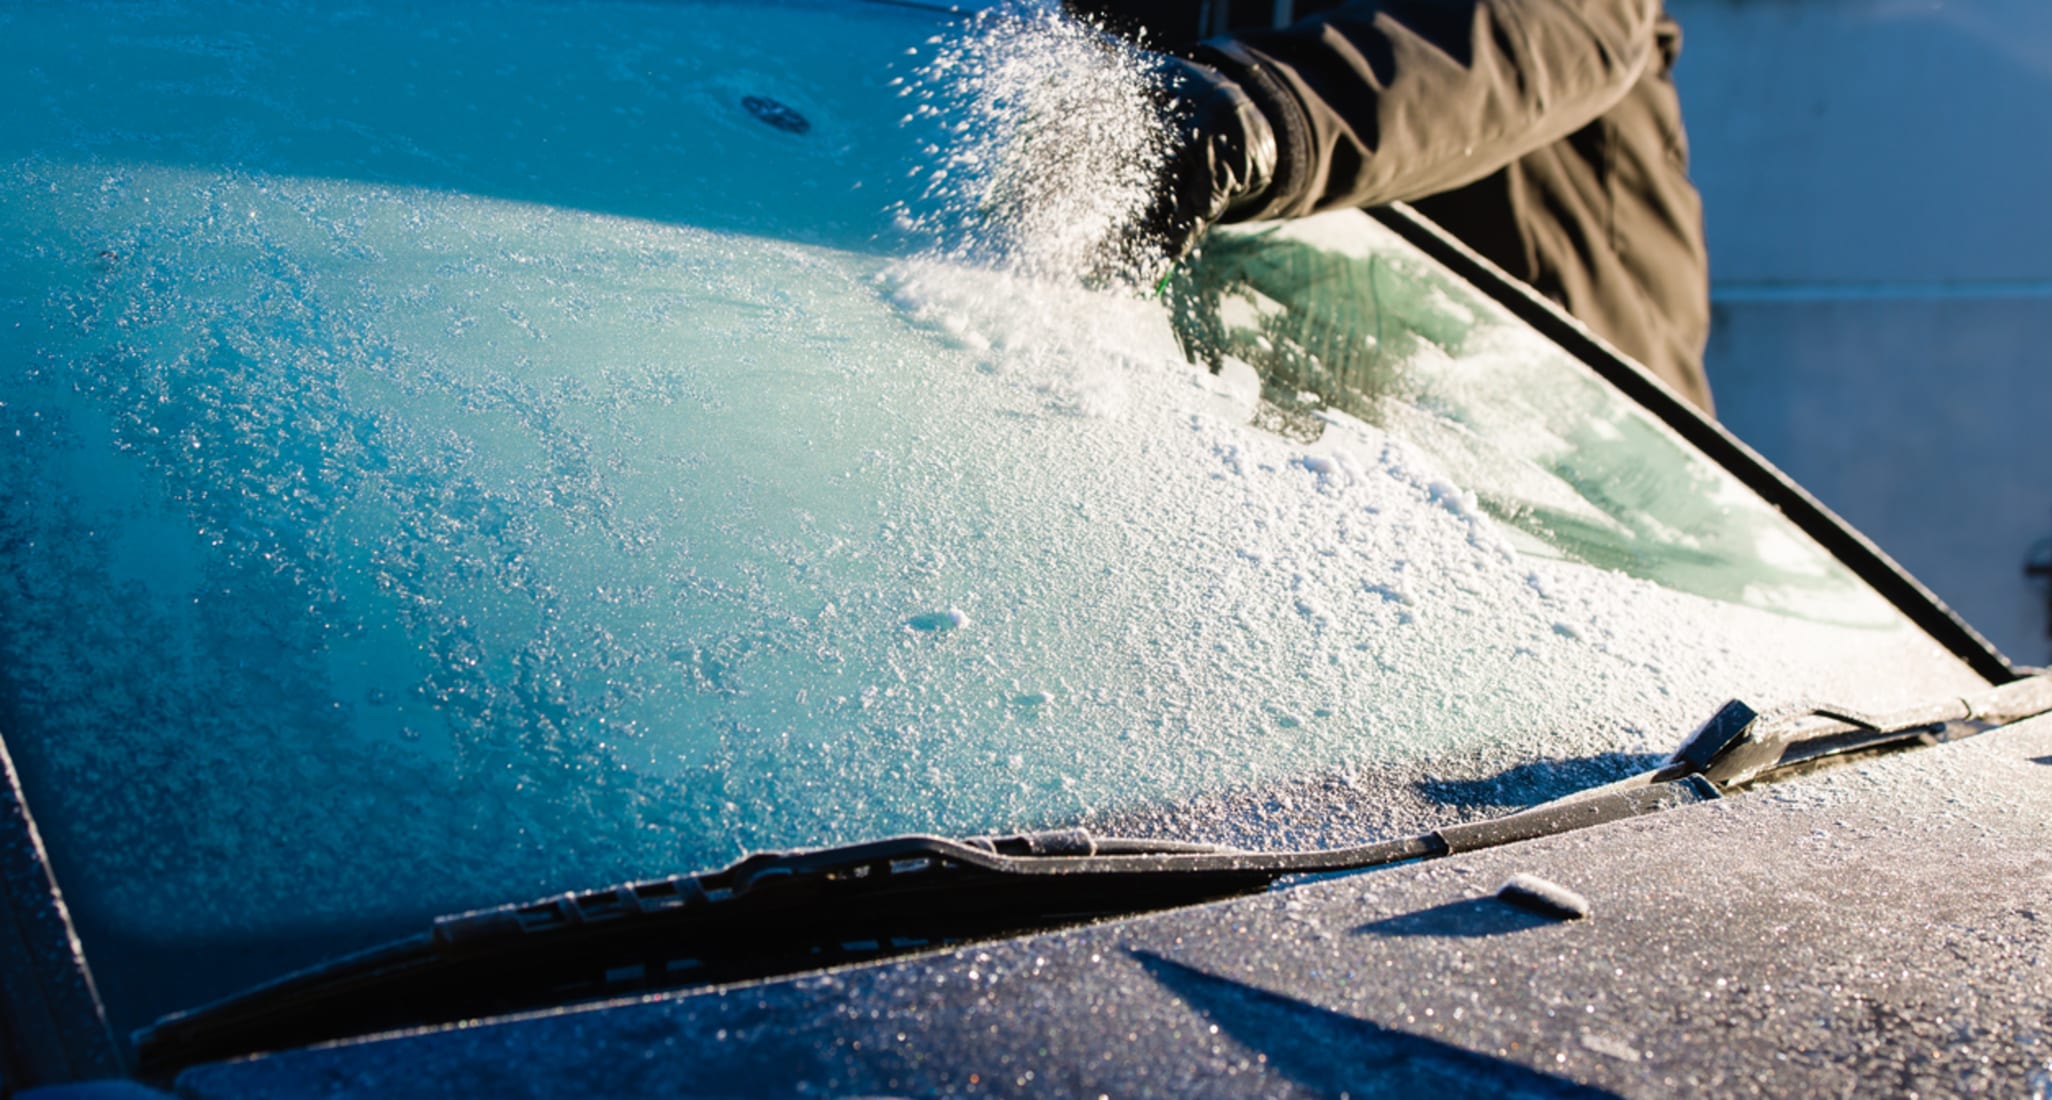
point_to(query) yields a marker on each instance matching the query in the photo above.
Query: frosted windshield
(450, 458)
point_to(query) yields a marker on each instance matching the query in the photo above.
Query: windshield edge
(1810, 515)
(53, 1027)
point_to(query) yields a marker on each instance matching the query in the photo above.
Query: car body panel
(1876, 925)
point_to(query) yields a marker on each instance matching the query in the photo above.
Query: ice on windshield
(391, 530)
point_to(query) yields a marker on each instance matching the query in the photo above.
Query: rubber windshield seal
(53, 1025)
(1810, 515)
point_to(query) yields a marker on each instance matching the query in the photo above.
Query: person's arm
(1392, 100)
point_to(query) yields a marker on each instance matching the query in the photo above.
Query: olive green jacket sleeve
(1394, 100)
(1545, 134)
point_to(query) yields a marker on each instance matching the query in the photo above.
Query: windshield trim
(1639, 385)
(53, 1026)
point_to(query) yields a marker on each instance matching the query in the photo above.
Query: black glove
(1221, 158)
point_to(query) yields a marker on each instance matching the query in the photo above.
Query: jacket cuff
(1286, 117)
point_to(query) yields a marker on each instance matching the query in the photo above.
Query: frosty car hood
(1876, 923)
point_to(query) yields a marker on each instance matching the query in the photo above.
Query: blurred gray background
(1877, 179)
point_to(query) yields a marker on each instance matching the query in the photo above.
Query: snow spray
(1047, 147)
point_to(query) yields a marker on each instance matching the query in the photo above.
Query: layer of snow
(440, 546)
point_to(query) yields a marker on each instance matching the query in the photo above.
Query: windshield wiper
(775, 914)
(781, 913)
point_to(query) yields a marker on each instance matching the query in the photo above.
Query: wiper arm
(782, 913)
(1740, 746)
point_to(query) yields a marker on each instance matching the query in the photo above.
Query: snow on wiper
(774, 914)
(1740, 745)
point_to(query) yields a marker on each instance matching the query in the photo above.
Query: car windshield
(458, 454)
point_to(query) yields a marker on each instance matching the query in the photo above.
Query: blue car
(556, 548)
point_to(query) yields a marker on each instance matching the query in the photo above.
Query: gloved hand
(1221, 158)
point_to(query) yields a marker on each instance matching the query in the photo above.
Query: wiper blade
(774, 914)
(782, 913)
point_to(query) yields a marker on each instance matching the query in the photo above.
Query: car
(558, 547)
